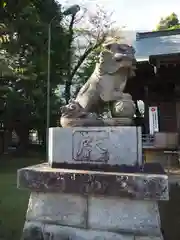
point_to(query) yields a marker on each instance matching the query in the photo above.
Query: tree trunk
(23, 134)
(7, 139)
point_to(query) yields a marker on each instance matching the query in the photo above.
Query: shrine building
(157, 84)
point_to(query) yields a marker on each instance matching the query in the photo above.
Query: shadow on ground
(170, 214)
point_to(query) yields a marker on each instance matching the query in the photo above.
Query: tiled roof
(156, 43)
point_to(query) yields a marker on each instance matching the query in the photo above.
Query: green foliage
(169, 22)
(174, 27)
(24, 92)
(23, 61)
(87, 68)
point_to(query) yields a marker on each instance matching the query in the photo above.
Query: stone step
(39, 231)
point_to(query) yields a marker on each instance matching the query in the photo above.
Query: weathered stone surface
(80, 234)
(39, 231)
(124, 215)
(148, 238)
(82, 122)
(35, 231)
(106, 84)
(124, 107)
(43, 178)
(100, 213)
(95, 145)
(63, 209)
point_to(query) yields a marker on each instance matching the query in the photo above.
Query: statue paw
(72, 110)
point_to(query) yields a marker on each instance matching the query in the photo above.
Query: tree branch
(85, 55)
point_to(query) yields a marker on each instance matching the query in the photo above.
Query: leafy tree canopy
(23, 63)
(169, 22)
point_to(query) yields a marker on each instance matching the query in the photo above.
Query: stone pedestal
(88, 204)
(95, 147)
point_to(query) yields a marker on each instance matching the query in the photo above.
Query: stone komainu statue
(106, 84)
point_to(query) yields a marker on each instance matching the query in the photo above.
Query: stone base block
(124, 215)
(96, 213)
(39, 231)
(132, 185)
(88, 146)
(148, 238)
(54, 208)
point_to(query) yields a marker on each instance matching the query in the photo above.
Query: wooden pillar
(146, 107)
(177, 93)
(178, 115)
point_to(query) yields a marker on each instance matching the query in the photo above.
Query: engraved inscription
(93, 185)
(90, 146)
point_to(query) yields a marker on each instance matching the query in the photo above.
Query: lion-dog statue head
(116, 56)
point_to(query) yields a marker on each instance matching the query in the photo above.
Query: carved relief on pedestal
(88, 146)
